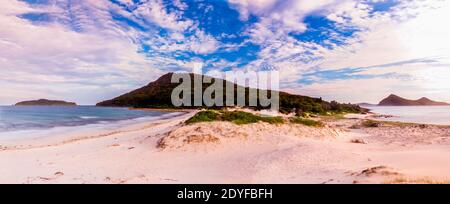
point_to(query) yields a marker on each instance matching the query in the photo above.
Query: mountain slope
(157, 94)
(394, 100)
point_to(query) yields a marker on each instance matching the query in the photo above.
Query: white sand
(168, 152)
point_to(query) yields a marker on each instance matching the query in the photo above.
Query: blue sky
(351, 51)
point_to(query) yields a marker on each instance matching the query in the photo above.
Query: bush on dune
(240, 117)
(371, 124)
(273, 120)
(203, 116)
(237, 117)
(307, 122)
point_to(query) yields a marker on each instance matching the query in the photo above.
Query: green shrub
(306, 122)
(203, 116)
(371, 124)
(240, 117)
(273, 120)
(237, 117)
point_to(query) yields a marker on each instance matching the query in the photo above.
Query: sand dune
(168, 151)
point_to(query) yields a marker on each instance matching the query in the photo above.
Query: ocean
(437, 115)
(27, 121)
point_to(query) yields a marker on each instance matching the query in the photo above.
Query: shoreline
(376, 118)
(427, 115)
(165, 109)
(168, 151)
(55, 140)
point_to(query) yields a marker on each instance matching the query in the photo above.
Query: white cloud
(155, 12)
(82, 54)
(279, 17)
(180, 5)
(424, 83)
(198, 42)
(276, 21)
(53, 60)
(256, 7)
(396, 36)
(83, 50)
(411, 30)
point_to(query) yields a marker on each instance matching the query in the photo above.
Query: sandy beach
(169, 151)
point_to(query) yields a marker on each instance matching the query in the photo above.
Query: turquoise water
(22, 118)
(438, 115)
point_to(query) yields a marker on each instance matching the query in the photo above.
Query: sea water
(438, 115)
(30, 121)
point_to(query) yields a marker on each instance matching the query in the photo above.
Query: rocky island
(45, 102)
(394, 100)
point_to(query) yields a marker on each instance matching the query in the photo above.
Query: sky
(350, 51)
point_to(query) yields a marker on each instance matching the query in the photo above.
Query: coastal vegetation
(204, 116)
(236, 117)
(371, 124)
(242, 117)
(307, 122)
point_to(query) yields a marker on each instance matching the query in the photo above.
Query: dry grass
(201, 139)
(333, 117)
(404, 180)
(378, 170)
(307, 122)
(371, 124)
(358, 141)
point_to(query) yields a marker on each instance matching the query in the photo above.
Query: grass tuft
(358, 141)
(371, 124)
(307, 122)
(203, 116)
(273, 120)
(403, 180)
(240, 117)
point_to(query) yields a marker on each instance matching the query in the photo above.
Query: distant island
(394, 100)
(45, 102)
(157, 94)
(366, 104)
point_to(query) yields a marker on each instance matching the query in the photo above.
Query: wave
(89, 117)
(39, 118)
(35, 131)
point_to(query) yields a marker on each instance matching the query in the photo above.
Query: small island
(45, 102)
(394, 100)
